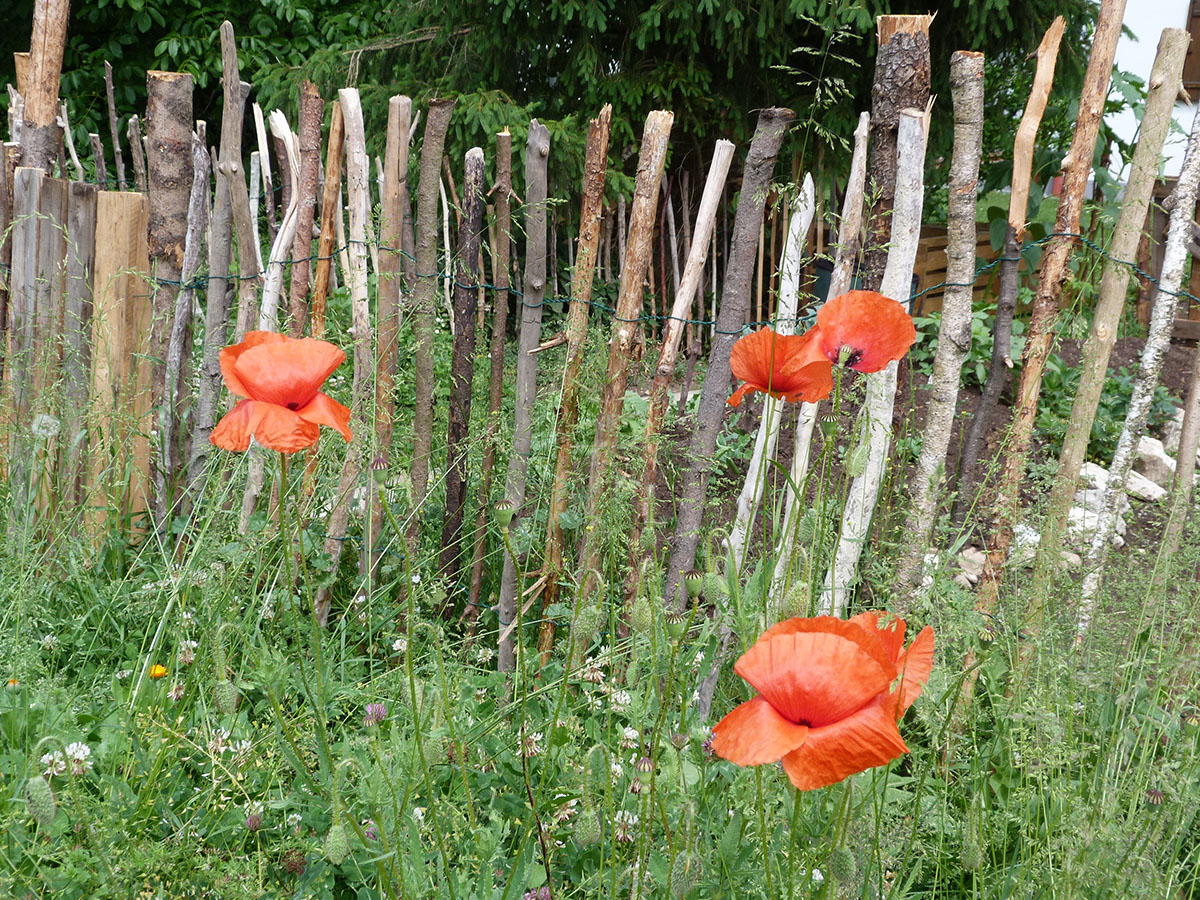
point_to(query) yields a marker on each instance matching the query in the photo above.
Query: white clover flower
(49, 642)
(615, 771)
(592, 672)
(400, 645)
(481, 695)
(620, 700)
(77, 756)
(122, 674)
(268, 610)
(418, 813)
(53, 764)
(254, 808)
(416, 579)
(219, 742)
(176, 692)
(629, 738)
(187, 652)
(294, 819)
(531, 744)
(189, 618)
(485, 655)
(623, 824)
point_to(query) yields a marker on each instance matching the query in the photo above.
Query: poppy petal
(915, 664)
(814, 678)
(876, 328)
(868, 639)
(272, 426)
(891, 634)
(784, 365)
(740, 393)
(324, 410)
(754, 733)
(815, 383)
(287, 373)
(228, 357)
(866, 739)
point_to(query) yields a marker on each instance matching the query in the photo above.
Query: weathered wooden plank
(48, 291)
(76, 331)
(118, 417)
(27, 192)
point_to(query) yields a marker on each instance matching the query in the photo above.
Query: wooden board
(119, 413)
(77, 331)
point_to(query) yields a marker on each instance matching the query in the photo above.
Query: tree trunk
(582, 277)
(1077, 166)
(39, 130)
(537, 153)
(849, 229)
(169, 118)
(760, 162)
(768, 430)
(881, 386)
(423, 309)
(98, 159)
(1185, 469)
(954, 333)
(358, 174)
(1165, 81)
(391, 225)
(1006, 303)
(660, 388)
(1181, 205)
(312, 109)
(462, 368)
(901, 82)
(264, 184)
(216, 307)
(500, 298)
(635, 262)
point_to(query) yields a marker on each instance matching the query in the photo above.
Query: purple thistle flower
(542, 893)
(369, 830)
(376, 713)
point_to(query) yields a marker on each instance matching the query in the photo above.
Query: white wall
(1146, 19)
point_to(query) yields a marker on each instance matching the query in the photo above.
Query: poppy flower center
(848, 356)
(293, 406)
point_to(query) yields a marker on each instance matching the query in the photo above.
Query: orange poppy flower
(280, 377)
(826, 704)
(873, 329)
(787, 366)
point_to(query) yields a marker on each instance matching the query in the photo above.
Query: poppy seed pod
(337, 843)
(502, 512)
(226, 697)
(40, 798)
(694, 582)
(675, 622)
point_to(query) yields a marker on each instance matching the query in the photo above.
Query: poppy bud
(502, 512)
(588, 623)
(970, 857)
(842, 866)
(226, 697)
(337, 843)
(806, 528)
(641, 617)
(40, 798)
(795, 602)
(694, 582)
(685, 874)
(675, 622)
(715, 586)
(631, 672)
(587, 829)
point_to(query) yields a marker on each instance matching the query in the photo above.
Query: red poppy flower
(788, 366)
(873, 329)
(280, 377)
(826, 703)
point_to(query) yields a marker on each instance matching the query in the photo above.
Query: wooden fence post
(40, 132)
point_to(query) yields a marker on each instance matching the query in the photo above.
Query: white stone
(1143, 488)
(972, 561)
(962, 580)
(1092, 499)
(1093, 475)
(1071, 560)
(1153, 462)
(1024, 545)
(1082, 524)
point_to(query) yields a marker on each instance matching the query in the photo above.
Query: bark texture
(735, 305)
(424, 311)
(312, 109)
(462, 366)
(537, 157)
(169, 127)
(901, 82)
(1165, 81)
(40, 133)
(954, 332)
